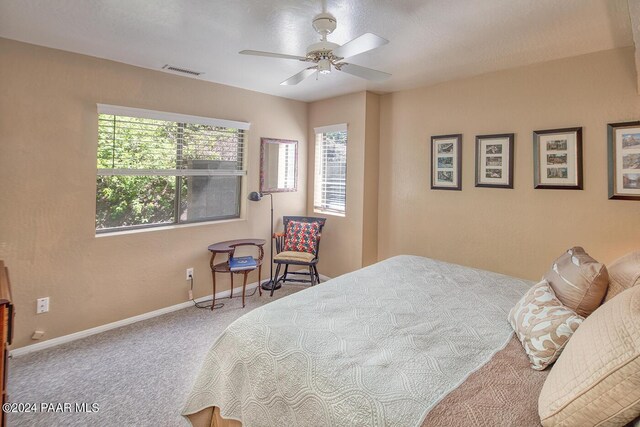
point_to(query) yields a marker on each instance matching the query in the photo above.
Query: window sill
(167, 227)
(320, 211)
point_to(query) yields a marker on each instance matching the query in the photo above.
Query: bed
(408, 341)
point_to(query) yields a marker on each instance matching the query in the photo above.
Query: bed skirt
(210, 417)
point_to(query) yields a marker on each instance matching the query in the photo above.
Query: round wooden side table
(229, 247)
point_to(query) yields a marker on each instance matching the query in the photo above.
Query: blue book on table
(242, 263)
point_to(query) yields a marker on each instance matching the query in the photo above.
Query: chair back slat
(279, 238)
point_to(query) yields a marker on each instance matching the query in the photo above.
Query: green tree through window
(154, 172)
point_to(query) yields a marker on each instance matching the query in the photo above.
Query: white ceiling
(430, 40)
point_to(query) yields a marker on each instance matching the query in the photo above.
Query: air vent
(181, 70)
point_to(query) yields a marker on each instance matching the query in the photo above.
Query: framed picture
(446, 162)
(557, 159)
(624, 160)
(494, 160)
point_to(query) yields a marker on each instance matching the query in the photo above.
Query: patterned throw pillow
(543, 325)
(301, 236)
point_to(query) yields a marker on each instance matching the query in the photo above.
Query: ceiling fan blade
(297, 78)
(364, 72)
(364, 43)
(272, 55)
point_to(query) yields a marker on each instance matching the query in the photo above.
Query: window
(330, 188)
(158, 168)
(287, 165)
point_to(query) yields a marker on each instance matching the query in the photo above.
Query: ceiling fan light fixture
(324, 66)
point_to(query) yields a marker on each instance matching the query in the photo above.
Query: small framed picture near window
(557, 159)
(494, 160)
(624, 160)
(446, 162)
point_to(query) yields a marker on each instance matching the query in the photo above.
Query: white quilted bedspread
(376, 347)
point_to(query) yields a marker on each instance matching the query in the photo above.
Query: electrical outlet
(189, 273)
(42, 305)
(37, 335)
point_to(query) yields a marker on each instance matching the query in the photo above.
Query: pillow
(579, 281)
(596, 380)
(623, 274)
(543, 325)
(301, 236)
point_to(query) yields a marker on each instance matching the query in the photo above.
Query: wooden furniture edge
(5, 290)
(6, 332)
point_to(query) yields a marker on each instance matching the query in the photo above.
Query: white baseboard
(113, 325)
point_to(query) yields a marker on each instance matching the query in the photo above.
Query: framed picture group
(557, 160)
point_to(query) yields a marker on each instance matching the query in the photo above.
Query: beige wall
(518, 231)
(48, 128)
(350, 242)
(370, 180)
(341, 247)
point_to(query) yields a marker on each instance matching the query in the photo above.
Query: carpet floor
(139, 375)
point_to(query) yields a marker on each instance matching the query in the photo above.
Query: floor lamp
(254, 196)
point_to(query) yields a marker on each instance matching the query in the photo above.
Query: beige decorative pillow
(579, 281)
(543, 325)
(596, 380)
(624, 273)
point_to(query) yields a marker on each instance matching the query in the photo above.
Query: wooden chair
(297, 258)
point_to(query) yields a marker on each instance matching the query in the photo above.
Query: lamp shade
(254, 196)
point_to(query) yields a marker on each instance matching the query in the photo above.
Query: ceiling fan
(327, 55)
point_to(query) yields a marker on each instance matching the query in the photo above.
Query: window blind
(138, 142)
(156, 168)
(331, 169)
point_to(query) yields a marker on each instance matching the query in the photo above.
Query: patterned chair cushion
(301, 237)
(579, 281)
(294, 256)
(543, 325)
